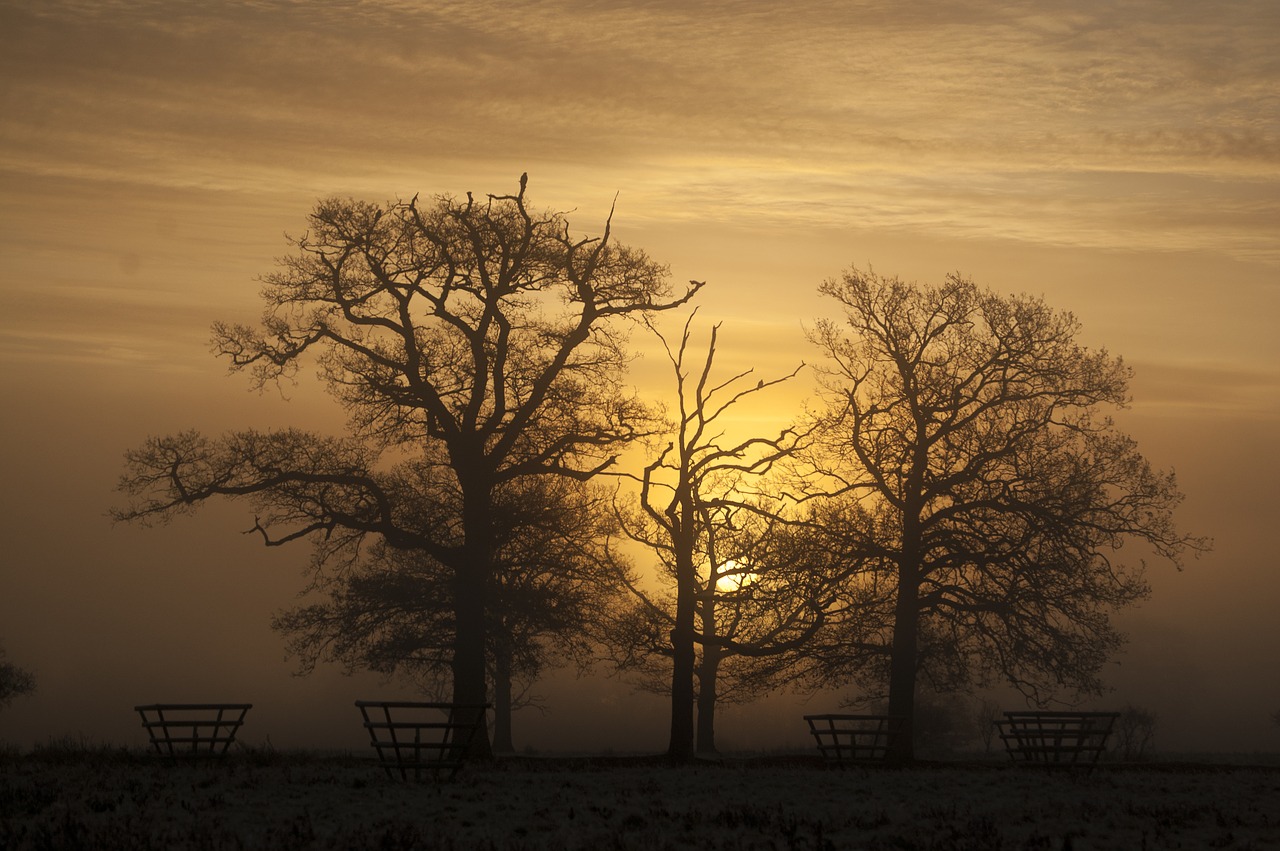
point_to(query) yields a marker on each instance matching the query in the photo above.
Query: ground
(115, 799)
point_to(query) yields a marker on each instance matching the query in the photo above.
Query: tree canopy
(473, 342)
(994, 494)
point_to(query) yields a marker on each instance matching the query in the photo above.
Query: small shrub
(14, 681)
(1135, 732)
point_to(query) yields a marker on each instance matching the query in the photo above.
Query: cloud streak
(232, 95)
(1137, 127)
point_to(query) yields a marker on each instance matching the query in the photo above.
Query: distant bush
(985, 714)
(1135, 733)
(14, 681)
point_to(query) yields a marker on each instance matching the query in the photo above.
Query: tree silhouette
(14, 681)
(392, 612)
(1135, 731)
(995, 493)
(985, 714)
(476, 339)
(695, 513)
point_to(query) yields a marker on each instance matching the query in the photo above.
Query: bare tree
(697, 514)
(996, 492)
(756, 607)
(985, 715)
(476, 338)
(1135, 732)
(14, 681)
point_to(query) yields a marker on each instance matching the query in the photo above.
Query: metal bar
(166, 724)
(435, 746)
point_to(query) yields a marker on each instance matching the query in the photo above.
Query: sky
(1120, 159)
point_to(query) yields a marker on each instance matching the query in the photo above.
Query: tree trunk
(707, 673)
(502, 742)
(681, 746)
(904, 658)
(906, 634)
(471, 584)
(902, 671)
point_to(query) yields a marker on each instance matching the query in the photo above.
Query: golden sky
(1121, 159)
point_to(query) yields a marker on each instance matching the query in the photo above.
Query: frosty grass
(125, 799)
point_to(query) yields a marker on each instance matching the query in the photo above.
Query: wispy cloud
(1224, 391)
(1010, 120)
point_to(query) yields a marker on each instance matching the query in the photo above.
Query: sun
(733, 576)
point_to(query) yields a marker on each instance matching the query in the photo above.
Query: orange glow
(1120, 161)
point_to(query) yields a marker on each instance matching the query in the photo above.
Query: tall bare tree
(996, 493)
(477, 338)
(693, 499)
(758, 603)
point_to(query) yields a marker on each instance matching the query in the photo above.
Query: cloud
(981, 118)
(1224, 391)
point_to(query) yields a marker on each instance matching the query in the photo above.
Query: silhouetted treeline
(951, 507)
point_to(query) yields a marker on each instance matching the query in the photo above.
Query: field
(55, 798)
